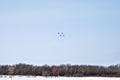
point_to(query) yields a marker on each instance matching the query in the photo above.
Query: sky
(29, 32)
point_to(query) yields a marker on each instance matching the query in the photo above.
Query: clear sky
(28, 32)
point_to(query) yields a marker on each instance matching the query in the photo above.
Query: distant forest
(61, 70)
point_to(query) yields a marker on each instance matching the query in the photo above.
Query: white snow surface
(55, 78)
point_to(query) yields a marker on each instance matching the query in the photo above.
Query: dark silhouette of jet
(58, 33)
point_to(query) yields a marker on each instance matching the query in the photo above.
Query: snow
(55, 78)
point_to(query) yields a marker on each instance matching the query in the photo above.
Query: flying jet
(58, 33)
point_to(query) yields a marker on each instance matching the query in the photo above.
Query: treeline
(61, 70)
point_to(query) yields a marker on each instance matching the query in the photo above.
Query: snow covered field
(56, 78)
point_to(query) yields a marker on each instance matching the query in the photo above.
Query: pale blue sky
(28, 32)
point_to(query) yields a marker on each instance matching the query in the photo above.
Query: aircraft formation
(60, 34)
